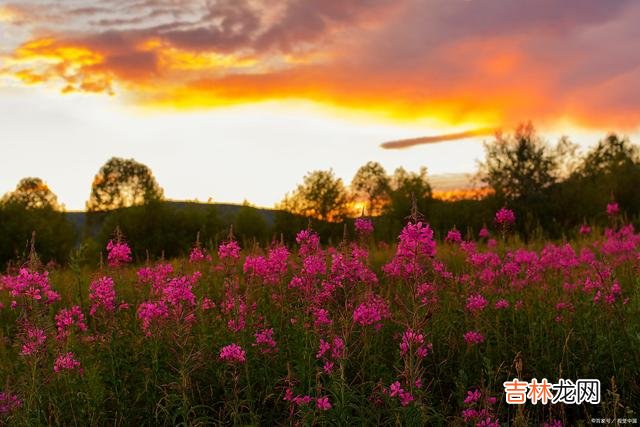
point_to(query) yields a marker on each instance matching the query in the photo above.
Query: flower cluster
(233, 353)
(330, 352)
(229, 250)
(265, 341)
(414, 341)
(102, 294)
(364, 226)
(66, 362)
(396, 390)
(505, 217)
(30, 286)
(66, 319)
(118, 253)
(8, 402)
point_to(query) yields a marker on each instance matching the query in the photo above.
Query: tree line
(552, 188)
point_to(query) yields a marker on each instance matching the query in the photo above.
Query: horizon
(239, 100)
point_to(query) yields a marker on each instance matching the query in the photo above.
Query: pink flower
(66, 319)
(198, 254)
(476, 303)
(501, 304)
(66, 362)
(229, 250)
(396, 390)
(364, 226)
(484, 233)
(264, 340)
(102, 294)
(472, 397)
(34, 340)
(33, 286)
(323, 403)
(585, 229)
(118, 253)
(8, 402)
(473, 337)
(415, 341)
(309, 242)
(414, 251)
(453, 236)
(613, 209)
(233, 353)
(371, 312)
(505, 217)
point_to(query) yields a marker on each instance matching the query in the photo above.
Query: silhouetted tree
(250, 223)
(371, 185)
(32, 193)
(405, 186)
(123, 183)
(521, 165)
(321, 195)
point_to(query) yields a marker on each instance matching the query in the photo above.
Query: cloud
(406, 143)
(479, 63)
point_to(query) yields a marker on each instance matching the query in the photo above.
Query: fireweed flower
(323, 403)
(476, 303)
(501, 304)
(396, 390)
(33, 341)
(229, 250)
(364, 226)
(472, 396)
(415, 249)
(198, 255)
(30, 286)
(264, 340)
(453, 236)
(66, 362)
(411, 339)
(102, 295)
(613, 209)
(66, 319)
(505, 217)
(8, 402)
(372, 312)
(233, 353)
(118, 253)
(309, 242)
(484, 233)
(473, 337)
(585, 229)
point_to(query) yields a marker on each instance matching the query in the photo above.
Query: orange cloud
(473, 64)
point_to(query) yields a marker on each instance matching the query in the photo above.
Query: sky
(238, 99)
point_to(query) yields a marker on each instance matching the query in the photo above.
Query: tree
(405, 187)
(520, 165)
(123, 183)
(32, 193)
(321, 195)
(371, 185)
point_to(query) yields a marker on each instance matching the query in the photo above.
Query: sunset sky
(238, 99)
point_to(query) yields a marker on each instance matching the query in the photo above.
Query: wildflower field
(422, 332)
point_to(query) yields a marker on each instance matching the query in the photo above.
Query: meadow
(420, 332)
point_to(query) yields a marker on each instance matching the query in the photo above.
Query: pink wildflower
(8, 402)
(119, 253)
(476, 303)
(473, 337)
(66, 319)
(102, 294)
(364, 226)
(66, 362)
(613, 209)
(505, 217)
(453, 236)
(323, 403)
(229, 250)
(233, 353)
